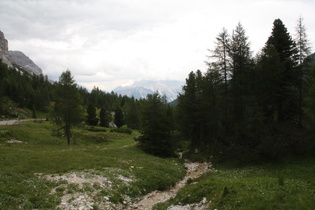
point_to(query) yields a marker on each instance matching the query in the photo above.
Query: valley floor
(102, 170)
(106, 170)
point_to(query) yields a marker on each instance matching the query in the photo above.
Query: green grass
(104, 153)
(286, 185)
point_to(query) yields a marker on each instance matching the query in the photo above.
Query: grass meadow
(289, 184)
(23, 165)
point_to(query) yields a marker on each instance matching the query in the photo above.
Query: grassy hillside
(106, 154)
(286, 185)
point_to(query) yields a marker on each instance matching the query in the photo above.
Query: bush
(95, 129)
(122, 130)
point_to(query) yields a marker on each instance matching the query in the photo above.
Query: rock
(12, 141)
(20, 59)
(17, 58)
(4, 50)
(112, 125)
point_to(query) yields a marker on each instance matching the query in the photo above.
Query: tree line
(64, 101)
(244, 107)
(30, 91)
(252, 108)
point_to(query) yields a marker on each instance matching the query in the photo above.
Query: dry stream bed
(85, 188)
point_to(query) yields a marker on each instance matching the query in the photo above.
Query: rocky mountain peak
(20, 59)
(3, 42)
(17, 58)
(4, 50)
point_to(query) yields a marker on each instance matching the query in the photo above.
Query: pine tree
(287, 99)
(105, 117)
(220, 63)
(131, 114)
(67, 110)
(187, 112)
(303, 49)
(119, 117)
(240, 65)
(267, 90)
(91, 118)
(219, 56)
(156, 133)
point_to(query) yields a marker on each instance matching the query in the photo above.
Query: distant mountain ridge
(140, 89)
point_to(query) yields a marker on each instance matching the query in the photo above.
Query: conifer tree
(267, 90)
(187, 112)
(67, 110)
(105, 117)
(119, 117)
(240, 65)
(303, 49)
(131, 114)
(91, 118)
(287, 99)
(220, 63)
(156, 133)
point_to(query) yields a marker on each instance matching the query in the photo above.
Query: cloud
(106, 43)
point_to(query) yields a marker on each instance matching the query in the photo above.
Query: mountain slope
(17, 58)
(4, 50)
(20, 59)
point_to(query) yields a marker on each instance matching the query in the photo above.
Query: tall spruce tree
(287, 99)
(67, 110)
(219, 60)
(240, 65)
(105, 117)
(91, 118)
(156, 133)
(219, 56)
(304, 50)
(131, 114)
(119, 117)
(187, 109)
(267, 90)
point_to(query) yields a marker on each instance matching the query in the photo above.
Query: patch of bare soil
(78, 178)
(14, 141)
(81, 190)
(194, 170)
(86, 187)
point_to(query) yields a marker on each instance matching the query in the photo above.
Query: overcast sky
(107, 43)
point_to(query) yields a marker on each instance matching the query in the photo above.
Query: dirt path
(14, 122)
(194, 170)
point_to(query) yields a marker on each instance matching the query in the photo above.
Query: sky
(110, 43)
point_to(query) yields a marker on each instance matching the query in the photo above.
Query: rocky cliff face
(17, 58)
(20, 59)
(4, 50)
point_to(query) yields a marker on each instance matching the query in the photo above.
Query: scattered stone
(125, 179)
(78, 178)
(84, 200)
(81, 199)
(13, 141)
(194, 170)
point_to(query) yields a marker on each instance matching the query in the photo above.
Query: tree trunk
(68, 133)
